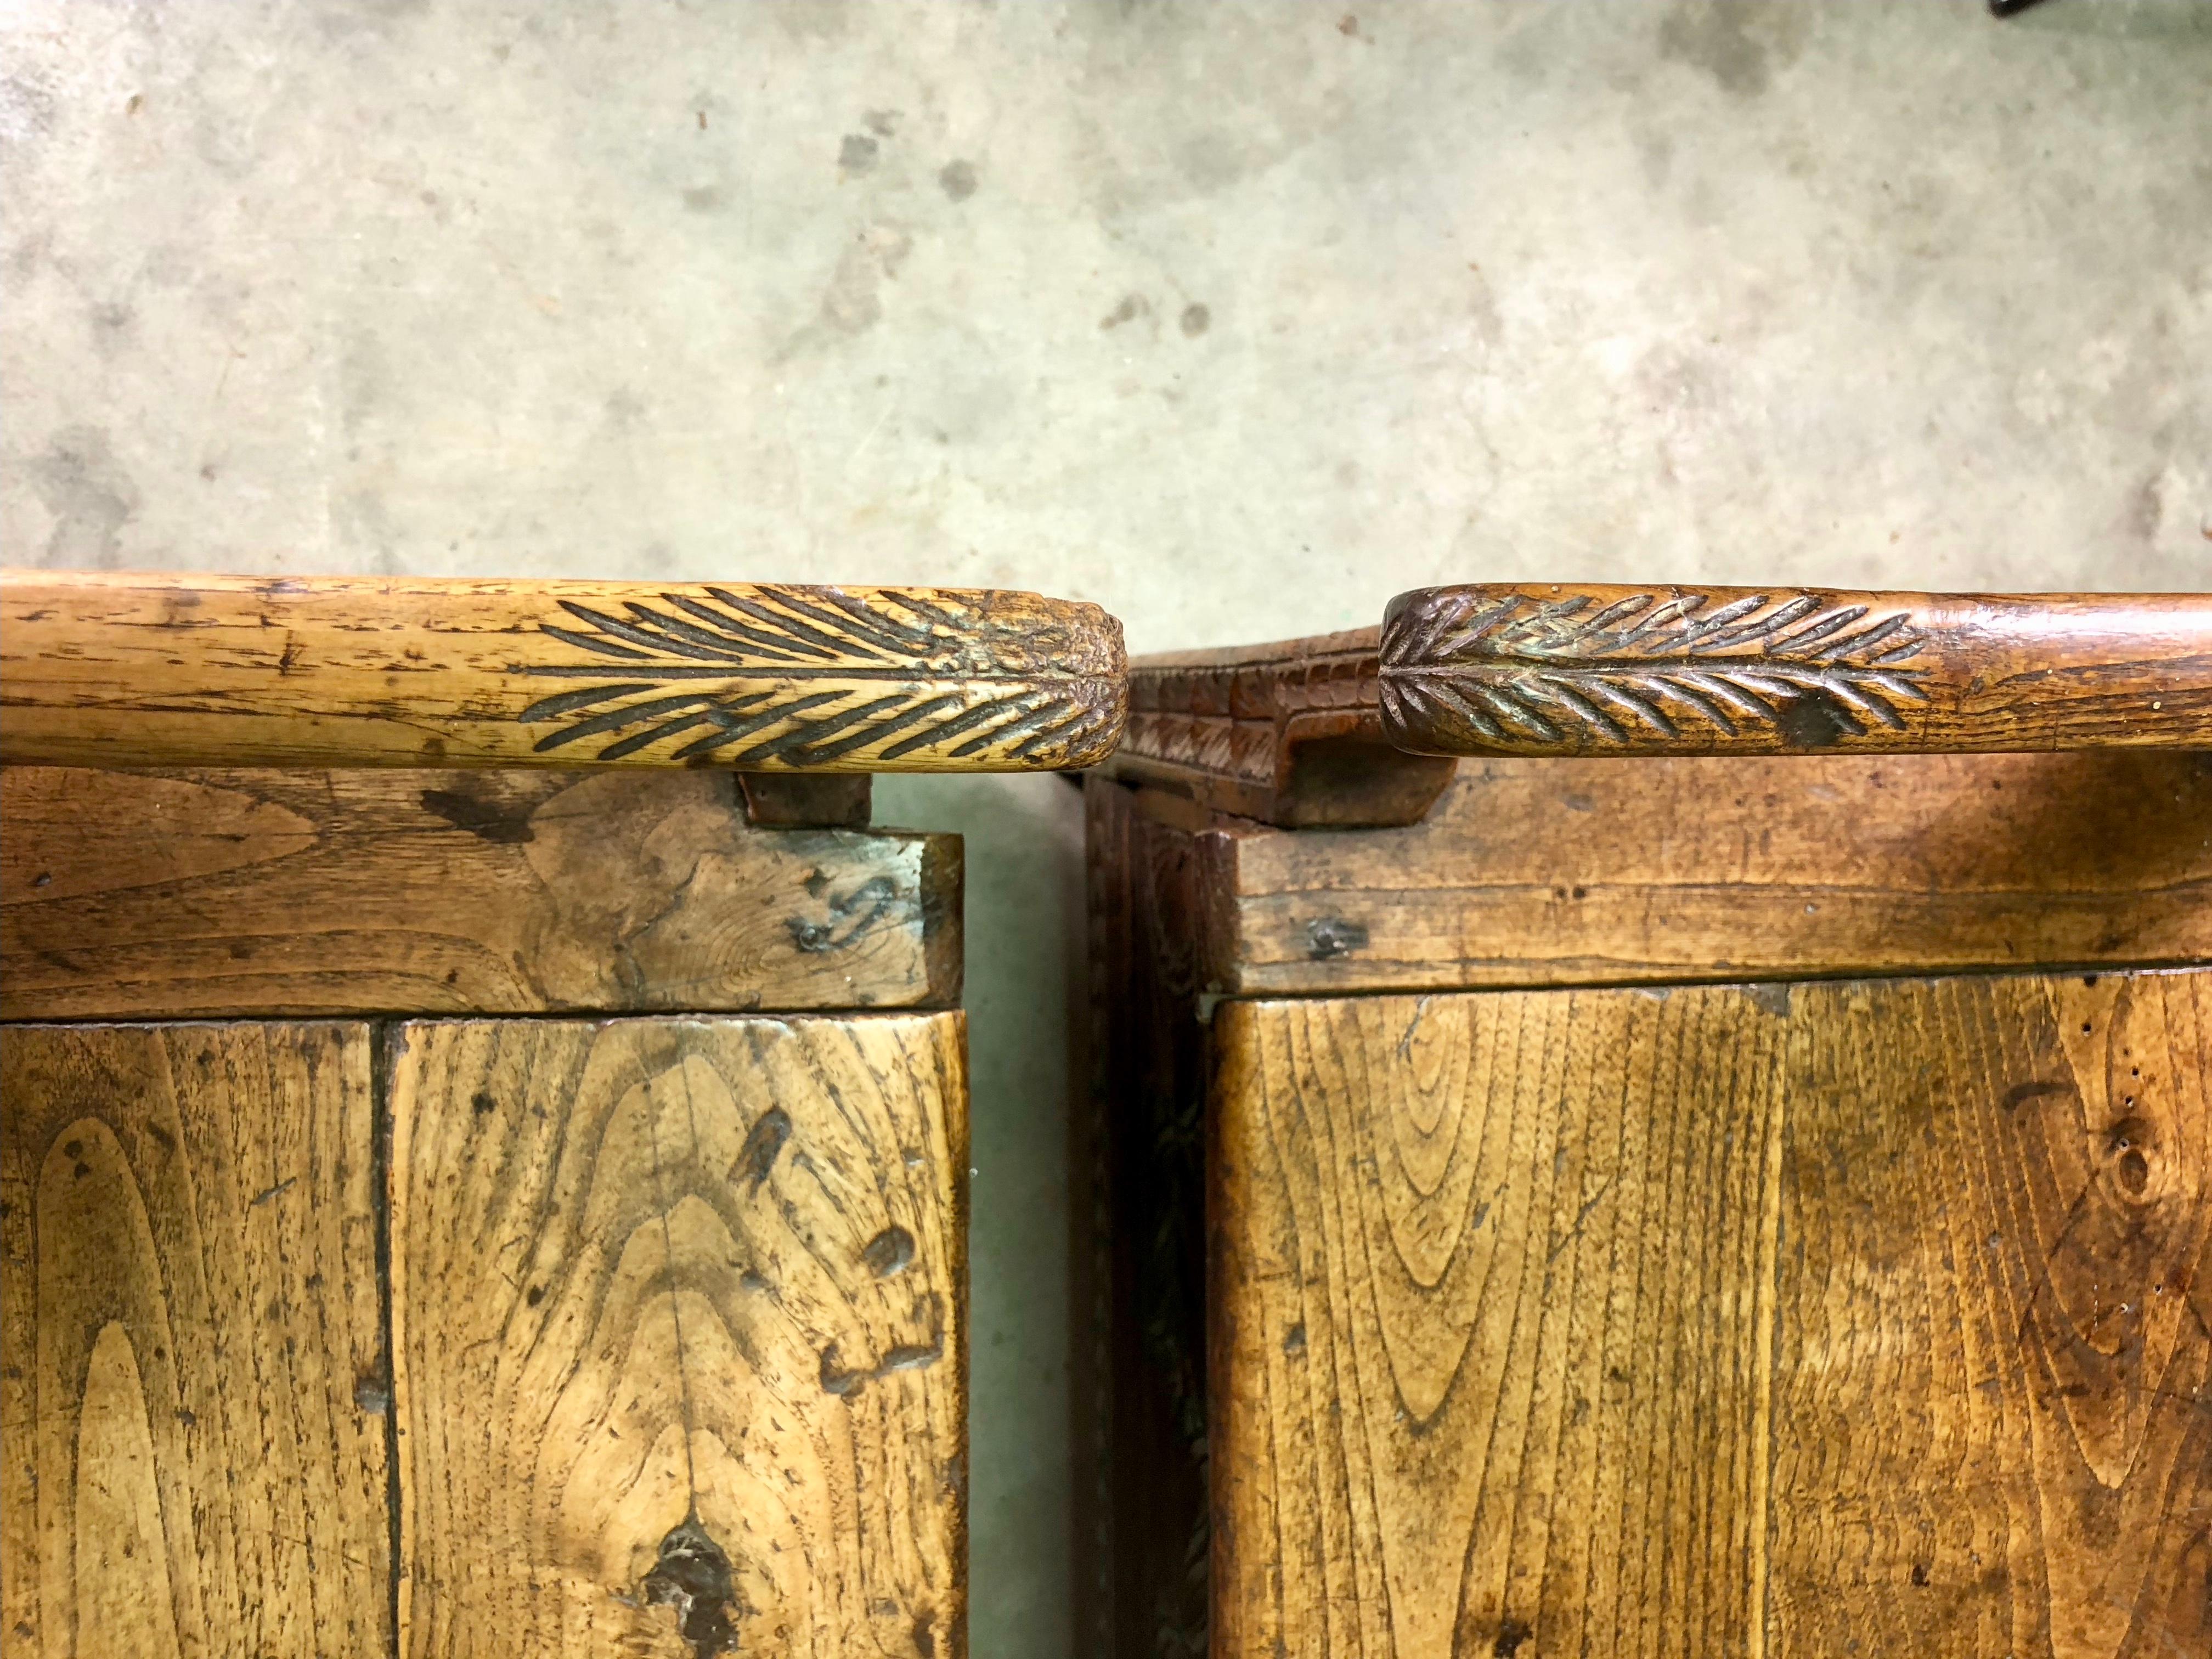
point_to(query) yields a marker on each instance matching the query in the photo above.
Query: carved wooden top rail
(1572, 670)
(192, 670)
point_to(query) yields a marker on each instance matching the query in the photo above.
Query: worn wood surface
(137, 895)
(1863, 1316)
(1586, 669)
(214, 670)
(679, 1317)
(192, 1385)
(1289, 734)
(1594, 871)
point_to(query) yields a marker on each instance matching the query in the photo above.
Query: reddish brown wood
(1588, 669)
(1287, 733)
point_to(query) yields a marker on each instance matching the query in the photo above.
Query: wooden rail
(1576, 669)
(150, 670)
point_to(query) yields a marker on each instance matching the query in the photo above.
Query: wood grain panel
(110, 670)
(1765, 1320)
(265, 892)
(1588, 669)
(1488, 1322)
(679, 1308)
(1533, 873)
(1993, 1404)
(193, 1391)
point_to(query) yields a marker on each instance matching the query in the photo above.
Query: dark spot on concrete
(1920, 1575)
(486, 820)
(1333, 936)
(957, 179)
(2021, 1093)
(2147, 508)
(890, 1251)
(1511, 1635)
(1196, 321)
(762, 1142)
(693, 1576)
(1814, 722)
(534, 1295)
(1348, 26)
(1133, 305)
(134, 103)
(268, 1192)
(111, 317)
(91, 496)
(372, 1396)
(884, 123)
(857, 153)
(483, 1105)
(1294, 1339)
(703, 198)
(1737, 42)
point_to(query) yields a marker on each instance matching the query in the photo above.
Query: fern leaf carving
(786, 677)
(1521, 671)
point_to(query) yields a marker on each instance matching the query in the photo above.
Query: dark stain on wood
(492, 821)
(693, 1576)
(889, 1252)
(762, 1142)
(1334, 936)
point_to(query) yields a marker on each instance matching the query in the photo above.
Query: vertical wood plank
(1994, 1411)
(680, 1312)
(1487, 1346)
(192, 1385)
(1745, 1320)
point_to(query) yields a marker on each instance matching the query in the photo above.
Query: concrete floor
(1237, 317)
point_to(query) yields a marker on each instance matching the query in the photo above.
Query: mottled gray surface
(1237, 317)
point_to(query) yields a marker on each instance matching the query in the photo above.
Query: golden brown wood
(1595, 871)
(192, 1385)
(1289, 734)
(679, 1314)
(1585, 669)
(140, 895)
(212, 671)
(1762, 1321)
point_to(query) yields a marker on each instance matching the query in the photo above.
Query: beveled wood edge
(1565, 669)
(184, 670)
(1287, 733)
